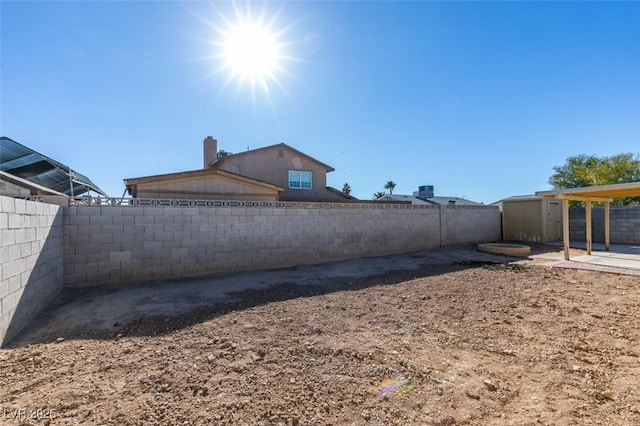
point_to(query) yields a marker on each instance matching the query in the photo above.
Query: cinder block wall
(625, 225)
(112, 244)
(469, 224)
(31, 261)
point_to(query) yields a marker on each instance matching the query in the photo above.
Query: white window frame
(296, 176)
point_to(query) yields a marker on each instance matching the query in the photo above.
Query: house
(206, 184)
(425, 196)
(272, 173)
(403, 199)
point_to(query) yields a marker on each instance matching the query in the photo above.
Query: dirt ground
(463, 344)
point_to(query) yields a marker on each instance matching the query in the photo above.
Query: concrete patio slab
(619, 259)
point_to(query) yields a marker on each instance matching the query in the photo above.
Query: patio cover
(603, 194)
(23, 162)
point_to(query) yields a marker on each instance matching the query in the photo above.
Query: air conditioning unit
(425, 191)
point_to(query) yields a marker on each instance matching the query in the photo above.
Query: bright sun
(250, 50)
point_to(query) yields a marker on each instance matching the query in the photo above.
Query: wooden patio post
(607, 225)
(588, 220)
(565, 227)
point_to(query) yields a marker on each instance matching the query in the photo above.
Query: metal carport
(25, 163)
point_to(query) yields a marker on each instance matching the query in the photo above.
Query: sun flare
(250, 50)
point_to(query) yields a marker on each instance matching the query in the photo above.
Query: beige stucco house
(207, 184)
(275, 173)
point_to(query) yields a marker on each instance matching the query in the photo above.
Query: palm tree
(346, 189)
(378, 195)
(390, 185)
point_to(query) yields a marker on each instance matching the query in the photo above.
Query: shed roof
(519, 198)
(23, 162)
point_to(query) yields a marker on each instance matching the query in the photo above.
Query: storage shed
(531, 218)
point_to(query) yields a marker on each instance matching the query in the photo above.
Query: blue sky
(479, 99)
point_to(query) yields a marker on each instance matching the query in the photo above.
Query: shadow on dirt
(251, 298)
(157, 325)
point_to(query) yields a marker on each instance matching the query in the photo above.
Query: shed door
(554, 224)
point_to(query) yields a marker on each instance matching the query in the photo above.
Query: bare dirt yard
(463, 344)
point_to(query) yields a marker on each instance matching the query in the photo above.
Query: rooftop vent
(424, 191)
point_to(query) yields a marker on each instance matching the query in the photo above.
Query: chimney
(210, 151)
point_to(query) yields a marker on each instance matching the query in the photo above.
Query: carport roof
(23, 162)
(622, 190)
(603, 193)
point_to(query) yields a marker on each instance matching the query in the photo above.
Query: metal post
(71, 181)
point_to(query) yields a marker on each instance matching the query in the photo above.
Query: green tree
(378, 195)
(588, 170)
(390, 186)
(346, 189)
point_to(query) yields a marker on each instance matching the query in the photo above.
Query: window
(299, 180)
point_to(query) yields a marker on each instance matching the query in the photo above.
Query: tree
(346, 189)
(588, 170)
(390, 185)
(378, 195)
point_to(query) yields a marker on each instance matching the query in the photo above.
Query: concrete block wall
(112, 244)
(470, 224)
(625, 225)
(31, 261)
